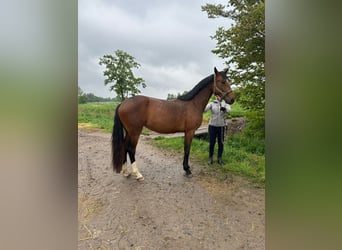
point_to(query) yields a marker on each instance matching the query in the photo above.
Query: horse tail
(118, 143)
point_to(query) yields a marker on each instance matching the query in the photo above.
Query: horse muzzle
(229, 100)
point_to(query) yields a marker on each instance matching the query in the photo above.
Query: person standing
(216, 127)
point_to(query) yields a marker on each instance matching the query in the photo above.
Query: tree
(175, 96)
(80, 91)
(171, 96)
(119, 72)
(81, 97)
(243, 46)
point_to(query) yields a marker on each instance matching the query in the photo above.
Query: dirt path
(166, 210)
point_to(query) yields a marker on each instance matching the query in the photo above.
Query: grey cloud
(170, 39)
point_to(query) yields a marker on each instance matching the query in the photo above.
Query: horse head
(222, 86)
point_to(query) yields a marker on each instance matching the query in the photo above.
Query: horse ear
(215, 70)
(225, 72)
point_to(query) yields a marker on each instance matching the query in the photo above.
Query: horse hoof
(188, 174)
(140, 178)
(127, 175)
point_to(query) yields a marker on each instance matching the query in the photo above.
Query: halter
(223, 94)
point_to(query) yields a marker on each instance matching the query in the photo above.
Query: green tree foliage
(243, 47)
(171, 96)
(119, 73)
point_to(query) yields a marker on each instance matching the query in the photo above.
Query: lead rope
(215, 88)
(223, 128)
(214, 84)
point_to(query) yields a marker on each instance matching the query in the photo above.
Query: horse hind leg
(125, 170)
(132, 143)
(135, 170)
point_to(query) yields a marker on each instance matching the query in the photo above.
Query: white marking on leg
(125, 171)
(136, 172)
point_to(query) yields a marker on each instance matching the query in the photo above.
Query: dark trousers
(216, 132)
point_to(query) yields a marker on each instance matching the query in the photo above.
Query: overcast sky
(169, 39)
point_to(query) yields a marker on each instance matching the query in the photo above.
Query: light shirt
(217, 116)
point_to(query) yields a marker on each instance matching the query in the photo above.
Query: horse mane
(192, 93)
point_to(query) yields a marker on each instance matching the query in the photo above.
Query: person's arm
(225, 107)
(228, 109)
(207, 107)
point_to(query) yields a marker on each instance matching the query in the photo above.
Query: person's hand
(223, 109)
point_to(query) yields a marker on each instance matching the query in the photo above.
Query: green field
(97, 115)
(244, 154)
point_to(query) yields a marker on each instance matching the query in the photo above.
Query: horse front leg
(187, 145)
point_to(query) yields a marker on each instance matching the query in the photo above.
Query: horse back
(162, 116)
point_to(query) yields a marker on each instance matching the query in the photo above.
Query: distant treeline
(90, 97)
(175, 96)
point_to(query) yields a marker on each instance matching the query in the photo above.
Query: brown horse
(181, 115)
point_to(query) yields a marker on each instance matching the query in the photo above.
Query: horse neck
(202, 98)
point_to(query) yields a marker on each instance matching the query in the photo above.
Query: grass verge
(237, 159)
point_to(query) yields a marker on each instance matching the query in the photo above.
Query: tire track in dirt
(166, 210)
